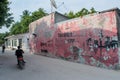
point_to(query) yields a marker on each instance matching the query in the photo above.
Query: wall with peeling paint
(91, 39)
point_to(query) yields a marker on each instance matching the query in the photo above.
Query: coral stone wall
(91, 39)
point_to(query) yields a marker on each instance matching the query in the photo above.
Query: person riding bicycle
(19, 53)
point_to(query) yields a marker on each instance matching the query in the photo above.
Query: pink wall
(91, 39)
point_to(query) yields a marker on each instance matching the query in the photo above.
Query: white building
(13, 41)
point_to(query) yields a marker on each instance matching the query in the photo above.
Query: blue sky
(18, 6)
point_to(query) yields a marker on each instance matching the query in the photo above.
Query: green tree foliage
(2, 36)
(5, 16)
(70, 14)
(16, 28)
(26, 18)
(92, 10)
(38, 14)
(81, 13)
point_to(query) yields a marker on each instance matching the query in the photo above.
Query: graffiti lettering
(46, 44)
(70, 40)
(68, 34)
(43, 44)
(110, 42)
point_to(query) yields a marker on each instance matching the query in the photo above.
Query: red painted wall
(91, 39)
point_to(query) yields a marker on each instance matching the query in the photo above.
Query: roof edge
(113, 9)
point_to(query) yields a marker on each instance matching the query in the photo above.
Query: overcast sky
(18, 6)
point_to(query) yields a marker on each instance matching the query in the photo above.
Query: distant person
(19, 53)
(3, 48)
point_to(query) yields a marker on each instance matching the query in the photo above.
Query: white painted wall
(16, 38)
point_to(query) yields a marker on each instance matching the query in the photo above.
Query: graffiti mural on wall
(90, 40)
